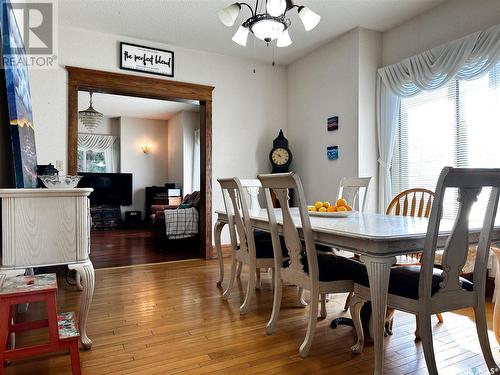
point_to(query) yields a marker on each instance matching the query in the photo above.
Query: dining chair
(350, 189)
(249, 247)
(307, 268)
(426, 290)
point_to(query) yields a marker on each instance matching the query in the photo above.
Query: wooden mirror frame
(153, 88)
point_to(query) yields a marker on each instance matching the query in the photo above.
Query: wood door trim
(153, 88)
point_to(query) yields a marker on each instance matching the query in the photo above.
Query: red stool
(63, 330)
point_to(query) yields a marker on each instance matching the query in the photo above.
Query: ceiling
(128, 106)
(194, 23)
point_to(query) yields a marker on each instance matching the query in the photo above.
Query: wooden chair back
(280, 184)
(469, 182)
(411, 202)
(236, 198)
(349, 189)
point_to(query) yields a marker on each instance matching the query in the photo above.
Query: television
(110, 189)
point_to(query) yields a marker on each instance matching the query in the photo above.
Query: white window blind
(456, 125)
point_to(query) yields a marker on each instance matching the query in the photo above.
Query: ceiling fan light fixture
(308, 18)
(229, 14)
(267, 29)
(284, 40)
(276, 7)
(241, 36)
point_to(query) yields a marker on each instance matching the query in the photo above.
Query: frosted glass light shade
(229, 14)
(267, 30)
(284, 39)
(308, 18)
(241, 36)
(276, 7)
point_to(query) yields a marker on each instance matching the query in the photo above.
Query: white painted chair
(426, 290)
(247, 249)
(318, 272)
(355, 191)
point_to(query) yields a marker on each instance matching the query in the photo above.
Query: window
(90, 161)
(456, 125)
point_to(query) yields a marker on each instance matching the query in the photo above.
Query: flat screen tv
(110, 189)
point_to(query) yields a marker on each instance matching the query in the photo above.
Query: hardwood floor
(125, 247)
(170, 319)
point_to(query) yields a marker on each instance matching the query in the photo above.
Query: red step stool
(63, 329)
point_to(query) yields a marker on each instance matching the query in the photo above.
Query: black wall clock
(280, 155)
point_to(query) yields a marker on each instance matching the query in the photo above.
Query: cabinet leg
(86, 271)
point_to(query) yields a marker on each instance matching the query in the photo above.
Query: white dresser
(47, 227)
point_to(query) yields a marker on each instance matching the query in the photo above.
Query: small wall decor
(332, 123)
(332, 152)
(146, 59)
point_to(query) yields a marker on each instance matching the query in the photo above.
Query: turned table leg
(86, 272)
(378, 275)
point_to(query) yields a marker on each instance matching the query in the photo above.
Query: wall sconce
(146, 147)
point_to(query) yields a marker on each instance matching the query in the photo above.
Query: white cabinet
(46, 227)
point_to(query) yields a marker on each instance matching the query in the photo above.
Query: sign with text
(147, 60)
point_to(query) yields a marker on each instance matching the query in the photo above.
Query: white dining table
(377, 238)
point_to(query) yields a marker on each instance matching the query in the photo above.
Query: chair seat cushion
(264, 245)
(404, 281)
(333, 267)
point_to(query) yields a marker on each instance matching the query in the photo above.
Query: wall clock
(280, 155)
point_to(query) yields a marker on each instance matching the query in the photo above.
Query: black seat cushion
(333, 267)
(264, 245)
(404, 281)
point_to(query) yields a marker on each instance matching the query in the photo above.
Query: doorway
(80, 79)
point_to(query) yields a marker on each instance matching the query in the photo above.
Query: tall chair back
(469, 183)
(411, 202)
(349, 189)
(238, 215)
(280, 184)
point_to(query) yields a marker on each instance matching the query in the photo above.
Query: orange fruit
(332, 209)
(341, 202)
(349, 208)
(326, 204)
(341, 209)
(322, 209)
(318, 204)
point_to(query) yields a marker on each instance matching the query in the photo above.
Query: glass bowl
(60, 182)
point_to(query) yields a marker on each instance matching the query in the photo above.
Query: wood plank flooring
(125, 247)
(170, 319)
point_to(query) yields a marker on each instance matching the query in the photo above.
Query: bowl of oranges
(339, 209)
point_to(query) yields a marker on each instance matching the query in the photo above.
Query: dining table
(377, 238)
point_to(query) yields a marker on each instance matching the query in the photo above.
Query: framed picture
(332, 152)
(332, 123)
(16, 94)
(147, 60)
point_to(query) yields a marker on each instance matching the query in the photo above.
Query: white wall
(248, 109)
(147, 169)
(369, 59)
(175, 149)
(191, 122)
(451, 20)
(336, 79)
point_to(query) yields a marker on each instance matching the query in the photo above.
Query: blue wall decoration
(332, 152)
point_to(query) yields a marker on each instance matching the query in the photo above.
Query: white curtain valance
(95, 142)
(465, 59)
